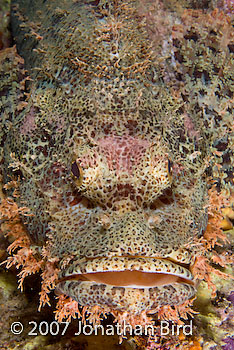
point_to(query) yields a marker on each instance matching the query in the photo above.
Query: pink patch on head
(89, 162)
(29, 124)
(122, 152)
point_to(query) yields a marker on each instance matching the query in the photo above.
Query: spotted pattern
(109, 170)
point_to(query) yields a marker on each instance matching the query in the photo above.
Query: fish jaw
(123, 283)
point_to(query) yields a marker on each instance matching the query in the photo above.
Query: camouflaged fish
(111, 164)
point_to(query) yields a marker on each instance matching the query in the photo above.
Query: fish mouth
(128, 272)
(127, 284)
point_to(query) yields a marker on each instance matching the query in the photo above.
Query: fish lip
(119, 264)
(134, 301)
(133, 298)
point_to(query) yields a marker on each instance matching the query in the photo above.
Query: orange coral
(66, 309)
(202, 269)
(49, 277)
(177, 312)
(214, 233)
(25, 256)
(13, 227)
(195, 346)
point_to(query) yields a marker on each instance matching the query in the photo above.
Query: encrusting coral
(118, 156)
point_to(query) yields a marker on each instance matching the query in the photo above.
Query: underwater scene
(116, 174)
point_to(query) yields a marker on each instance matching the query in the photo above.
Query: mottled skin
(110, 167)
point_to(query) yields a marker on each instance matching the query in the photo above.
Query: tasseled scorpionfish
(111, 161)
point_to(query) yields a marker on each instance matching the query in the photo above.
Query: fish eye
(169, 166)
(75, 170)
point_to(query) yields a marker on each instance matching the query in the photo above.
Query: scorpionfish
(111, 163)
